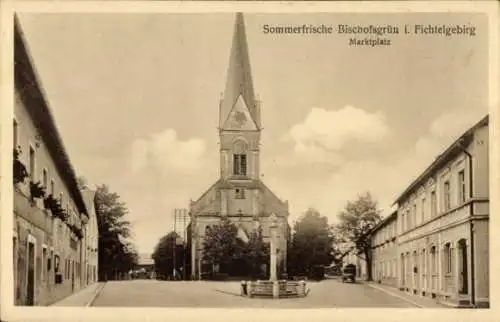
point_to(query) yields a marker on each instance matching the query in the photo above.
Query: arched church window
(240, 164)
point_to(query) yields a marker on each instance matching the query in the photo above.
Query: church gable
(271, 203)
(209, 202)
(240, 118)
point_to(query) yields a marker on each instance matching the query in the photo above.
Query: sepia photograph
(241, 159)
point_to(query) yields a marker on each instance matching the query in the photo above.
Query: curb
(96, 294)
(395, 295)
(228, 293)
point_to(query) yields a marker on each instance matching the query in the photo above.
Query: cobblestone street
(325, 294)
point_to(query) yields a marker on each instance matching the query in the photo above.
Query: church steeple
(239, 83)
(239, 119)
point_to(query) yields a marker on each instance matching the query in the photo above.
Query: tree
(311, 243)
(256, 252)
(336, 252)
(356, 221)
(222, 246)
(82, 183)
(116, 255)
(163, 254)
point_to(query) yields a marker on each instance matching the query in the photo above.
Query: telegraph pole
(185, 244)
(174, 241)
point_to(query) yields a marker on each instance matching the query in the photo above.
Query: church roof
(210, 201)
(239, 78)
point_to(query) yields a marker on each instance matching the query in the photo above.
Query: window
(446, 195)
(44, 260)
(52, 188)
(422, 211)
(32, 164)
(461, 186)
(422, 262)
(240, 164)
(56, 263)
(61, 198)
(239, 193)
(433, 260)
(15, 134)
(433, 204)
(45, 179)
(447, 258)
(49, 261)
(14, 252)
(408, 219)
(414, 215)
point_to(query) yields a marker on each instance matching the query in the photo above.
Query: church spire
(239, 78)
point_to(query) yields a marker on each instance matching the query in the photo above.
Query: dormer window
(240, 164)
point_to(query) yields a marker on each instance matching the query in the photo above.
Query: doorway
(463, 283)
(30, 292)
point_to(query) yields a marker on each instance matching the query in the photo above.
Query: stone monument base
(273, 289)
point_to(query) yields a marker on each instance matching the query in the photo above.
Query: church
(239, 194)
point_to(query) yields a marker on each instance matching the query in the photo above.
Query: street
(325, 294)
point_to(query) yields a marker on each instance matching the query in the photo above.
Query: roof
(384, 222)
(455, 148)
(213, 206)
(239, 77)
(28, 85)
(89, 198)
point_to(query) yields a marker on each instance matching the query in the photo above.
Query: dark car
(349, 273)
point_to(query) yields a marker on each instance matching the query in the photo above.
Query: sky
(135, 98)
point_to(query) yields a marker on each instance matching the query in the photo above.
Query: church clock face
(240, 118)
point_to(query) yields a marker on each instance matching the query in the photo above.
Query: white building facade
(49, 210)
(385, 251)
(443, 219)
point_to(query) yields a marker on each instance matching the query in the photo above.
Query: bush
(19, 171)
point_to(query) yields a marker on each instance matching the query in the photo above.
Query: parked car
(349, 273)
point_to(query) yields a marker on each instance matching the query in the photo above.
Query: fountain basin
(273, 289)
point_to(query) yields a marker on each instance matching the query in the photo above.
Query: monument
(273, 287)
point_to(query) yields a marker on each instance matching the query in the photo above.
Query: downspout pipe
(471, 196)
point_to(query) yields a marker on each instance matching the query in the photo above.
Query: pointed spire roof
(239, 77)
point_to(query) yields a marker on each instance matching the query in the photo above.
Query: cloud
(384, 178)
(324, 135)
(443, 130)
(332, 130)
(165, 152)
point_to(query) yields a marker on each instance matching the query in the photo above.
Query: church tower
(239, 115)
(239, 193)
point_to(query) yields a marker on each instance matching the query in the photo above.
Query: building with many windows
(49, 209)
(385, 250)
(239, 193)
(90, 239)
(443, 225)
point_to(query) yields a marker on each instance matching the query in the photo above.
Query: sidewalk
(418, 301)
(82, 298)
